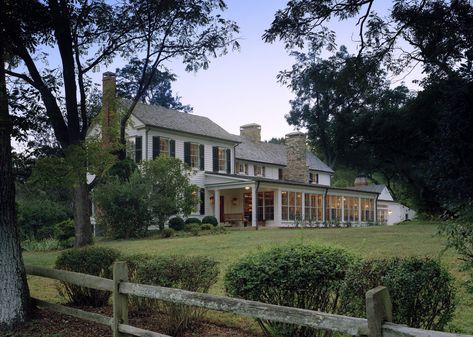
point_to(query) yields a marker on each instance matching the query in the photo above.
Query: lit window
(242, 168)
(164, 146)
(259, 170)
(291, 205)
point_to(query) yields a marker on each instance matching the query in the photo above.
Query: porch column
(217, 205)
(278, 208)
(359, 210)
(303, 207)
(253, 206)
(343, 209)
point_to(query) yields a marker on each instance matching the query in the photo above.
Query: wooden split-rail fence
(377, 324)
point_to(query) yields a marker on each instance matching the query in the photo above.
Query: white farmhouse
(243, 180)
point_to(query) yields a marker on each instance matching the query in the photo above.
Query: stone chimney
(296, 169)
(361, 181)
(251, 131)
(109, 120)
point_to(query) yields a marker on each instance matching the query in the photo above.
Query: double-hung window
(194, 155)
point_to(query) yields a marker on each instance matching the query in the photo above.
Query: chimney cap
(108, 74)
(250, 125)
(295, 134)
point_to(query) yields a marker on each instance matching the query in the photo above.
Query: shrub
(422, 292)
(296, 276)
(40, 245)
(193, 220)
(219, 230)
(96, 261)
(191, 273)
(64, 232)
(176, 223)
(206, 227)
(210, 220)
(193, 228)
(123, 207)
(167, 232)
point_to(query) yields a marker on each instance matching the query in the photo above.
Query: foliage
(193, 228)
(191, 273)
(219, 229)
(276, 140)
(167, 232)
(159, 91)
(43, 245)
(122, 169)
(64, 232)
(96, 261)
(192, 220)
(169, 189)
(123, 207)
(296, 276)
(422, 291)
(210, 219)
(206, 227)
(176, 223)
(459, 236)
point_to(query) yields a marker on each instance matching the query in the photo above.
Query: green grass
(411, 239)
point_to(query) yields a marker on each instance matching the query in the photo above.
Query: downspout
(256, 203)
(146, 143)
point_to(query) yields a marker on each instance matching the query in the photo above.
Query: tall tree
(86, 34)
(159, 91)
(14, 295)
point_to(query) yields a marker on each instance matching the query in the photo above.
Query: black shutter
(202, 201)
(215, 158)
(138, 149)
(280, 174)
(202, 157)
(229, 161)
(187, 153)
(172, 148)
(156, 146)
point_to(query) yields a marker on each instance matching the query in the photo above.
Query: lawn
(411, 239)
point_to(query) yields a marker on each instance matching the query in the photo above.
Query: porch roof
(235, 179)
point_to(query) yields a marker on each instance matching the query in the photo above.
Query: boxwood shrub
(299, 276)
(176, 223)
(210, 219)
(193, 220)
(422, 291)
(96, 261)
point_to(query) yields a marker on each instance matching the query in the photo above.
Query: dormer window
(259, 171)
(313, 178)
(242, 168)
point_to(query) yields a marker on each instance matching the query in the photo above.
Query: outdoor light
(247, 188)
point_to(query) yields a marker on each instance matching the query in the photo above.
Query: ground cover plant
(411, 239)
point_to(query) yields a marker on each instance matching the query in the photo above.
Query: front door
(222, 209)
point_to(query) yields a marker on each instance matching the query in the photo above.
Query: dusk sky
(241, 87)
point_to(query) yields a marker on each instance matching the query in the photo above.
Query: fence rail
(377, 324)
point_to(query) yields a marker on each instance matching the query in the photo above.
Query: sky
(241, 87)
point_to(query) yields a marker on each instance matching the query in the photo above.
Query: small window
(313, 178)
(242, 168)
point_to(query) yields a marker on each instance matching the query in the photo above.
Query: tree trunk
(14, 295)
(83, 227)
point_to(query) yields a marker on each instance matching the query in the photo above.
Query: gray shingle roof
(161, 117)
(370, 188)
(275, 154)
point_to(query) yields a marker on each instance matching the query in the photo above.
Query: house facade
(241, 179)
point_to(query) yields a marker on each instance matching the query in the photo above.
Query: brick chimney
(296, 169)
(361, 181)
(251, 131)
(109, 120)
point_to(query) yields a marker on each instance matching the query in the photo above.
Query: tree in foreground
(14, 295)
(169, 188)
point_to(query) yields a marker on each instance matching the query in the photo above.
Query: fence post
(120, 301)
(378, 310)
